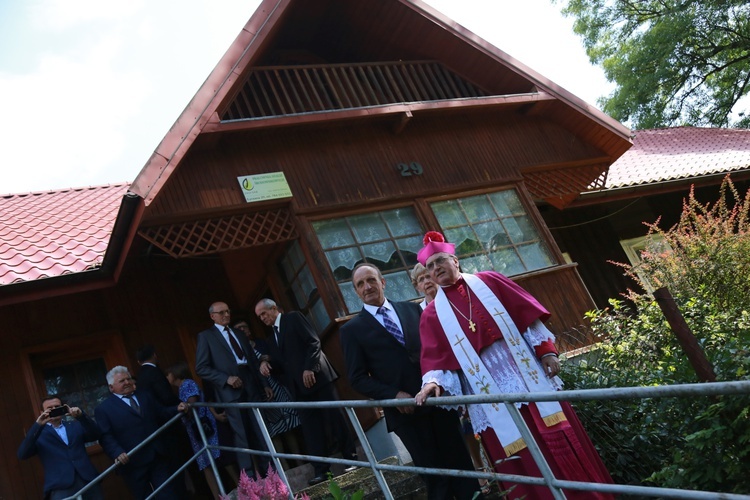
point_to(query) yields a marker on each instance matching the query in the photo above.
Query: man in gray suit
(226, 360)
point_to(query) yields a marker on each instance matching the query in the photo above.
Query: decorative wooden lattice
(232, 232)
(559, 187)
(293, 90)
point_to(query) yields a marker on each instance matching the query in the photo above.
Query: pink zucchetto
(434, 242)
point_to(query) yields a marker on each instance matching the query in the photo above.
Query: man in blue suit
(126, 418)
(61, 447)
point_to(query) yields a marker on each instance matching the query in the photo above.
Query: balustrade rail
(555, 485)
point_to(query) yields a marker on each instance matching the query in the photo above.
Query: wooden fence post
(687, 340)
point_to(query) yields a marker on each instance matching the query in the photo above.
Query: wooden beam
(509, 101)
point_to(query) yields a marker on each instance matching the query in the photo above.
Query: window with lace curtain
(389, 239)
(493, 231)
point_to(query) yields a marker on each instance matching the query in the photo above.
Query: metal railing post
(211, 460)
(272, 450)
(536, 453)
(369, 453)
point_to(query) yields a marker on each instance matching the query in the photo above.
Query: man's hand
(43, 418)
(265, 368)
(123, 458)
(308, 378)
(234, 381)
(269, 393)
(431, 389)
(74, 411)
(404, 409)
(183, 407)
(551, 365)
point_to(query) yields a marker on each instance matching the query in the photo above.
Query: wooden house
(647, 183)
(331, 132)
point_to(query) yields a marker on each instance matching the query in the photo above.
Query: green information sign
(262, 187)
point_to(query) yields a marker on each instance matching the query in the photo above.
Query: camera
(59, 411)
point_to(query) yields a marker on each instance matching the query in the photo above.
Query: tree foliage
(675, 62)
(666, 441)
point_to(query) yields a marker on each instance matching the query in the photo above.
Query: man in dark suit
(297, 359)
(151, 379)
(126, 418)
(226, 360)
(61, 446)
(381, 347)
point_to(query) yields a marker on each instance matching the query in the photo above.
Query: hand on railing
(404, 409)
(430, 389)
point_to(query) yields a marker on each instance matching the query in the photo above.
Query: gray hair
(418, 270)
(114, 371)
(267, 303)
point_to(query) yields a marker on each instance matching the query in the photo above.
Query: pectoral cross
(472, 326)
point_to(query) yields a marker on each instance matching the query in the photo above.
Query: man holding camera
(61, 446)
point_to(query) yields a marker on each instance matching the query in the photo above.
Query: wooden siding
(159, 301)
(562, 292)
(344, 166)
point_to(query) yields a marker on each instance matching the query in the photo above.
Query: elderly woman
(420, 280)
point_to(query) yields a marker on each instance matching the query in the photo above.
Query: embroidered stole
(478, 375)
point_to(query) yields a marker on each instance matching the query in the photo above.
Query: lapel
(219, 339)
(56, 436)
(129, 408)
(283, 330)
(376, 327)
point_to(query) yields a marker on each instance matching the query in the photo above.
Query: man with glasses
(483, 334)
(225, 359)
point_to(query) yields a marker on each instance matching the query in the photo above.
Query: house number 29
(409, 169)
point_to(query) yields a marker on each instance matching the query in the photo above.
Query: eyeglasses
(222, 313)
(437, 262)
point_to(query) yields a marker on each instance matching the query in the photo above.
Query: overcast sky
(88, 88)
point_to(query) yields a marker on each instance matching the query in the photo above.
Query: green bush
(691, 443)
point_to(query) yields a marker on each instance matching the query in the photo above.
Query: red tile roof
(667, 154)
(53, 233)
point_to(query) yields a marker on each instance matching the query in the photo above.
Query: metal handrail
(509, 399)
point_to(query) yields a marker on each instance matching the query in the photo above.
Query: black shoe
(317, 480)
(351, 468)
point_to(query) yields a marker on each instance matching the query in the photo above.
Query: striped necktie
(390, 325)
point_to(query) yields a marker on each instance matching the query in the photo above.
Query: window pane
(296, 257)
(383, 255)
(465, 240)
(506, 202)
(368, 227)
(535, 256)
(389, 240)
(409, 248)
(487, 231)
(521, 229)
(399, 287)
(343, 261)
(491, 238)
(401, 221)
(81, 384)
(351, 299)
(319, 315)
(506, 261)
(477, 209)
(449, 214)
(475, 264)
(333, 233)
